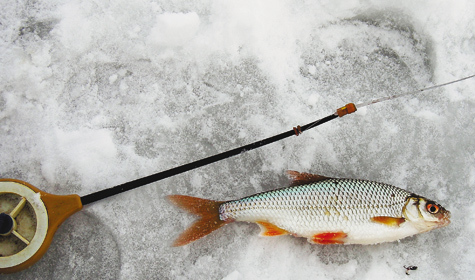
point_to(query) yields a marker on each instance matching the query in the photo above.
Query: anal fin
(268, 229)
(389, 221)
(329, 238)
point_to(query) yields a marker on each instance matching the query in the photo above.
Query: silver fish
(323, 210)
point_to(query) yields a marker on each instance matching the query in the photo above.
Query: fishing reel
(29, 219)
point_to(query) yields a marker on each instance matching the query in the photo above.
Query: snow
(174, 29)
(95, 94)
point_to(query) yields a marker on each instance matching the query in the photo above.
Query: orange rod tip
(345, 110)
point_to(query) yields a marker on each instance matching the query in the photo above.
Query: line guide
(48, 211)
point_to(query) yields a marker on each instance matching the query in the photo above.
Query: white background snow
(97, 93)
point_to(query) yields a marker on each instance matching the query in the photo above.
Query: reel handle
(58, 208)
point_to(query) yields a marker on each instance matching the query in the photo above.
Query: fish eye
(432, 208)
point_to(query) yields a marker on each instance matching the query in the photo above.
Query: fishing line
(390, 97)
(381, 99)
(42, 213)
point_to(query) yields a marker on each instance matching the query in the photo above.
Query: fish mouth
(444, 220)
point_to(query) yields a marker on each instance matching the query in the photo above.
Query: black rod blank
(199, 163)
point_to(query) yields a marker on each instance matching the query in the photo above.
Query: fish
(322, 209)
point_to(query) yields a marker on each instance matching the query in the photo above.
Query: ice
(95, 94)
(174, 29)
(85, 151)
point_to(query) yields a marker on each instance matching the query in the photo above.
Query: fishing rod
(42, 213)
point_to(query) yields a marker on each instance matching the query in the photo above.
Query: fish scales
(329, 205)
(324, 210)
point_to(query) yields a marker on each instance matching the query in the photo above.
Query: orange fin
(304, 178)
(389, 221)
(209, 221)
(268, 229)
(329, 238)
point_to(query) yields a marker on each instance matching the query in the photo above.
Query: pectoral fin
(268, 229)
(389, 221)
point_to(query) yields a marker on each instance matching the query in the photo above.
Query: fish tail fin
(209, 220)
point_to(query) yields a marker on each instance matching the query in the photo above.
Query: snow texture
(97, 93)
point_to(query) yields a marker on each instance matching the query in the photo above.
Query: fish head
(425, 214)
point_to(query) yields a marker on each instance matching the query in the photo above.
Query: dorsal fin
(304, 178)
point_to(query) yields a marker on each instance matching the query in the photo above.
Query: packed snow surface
(98, 93)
